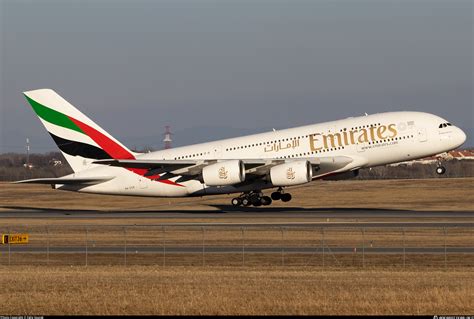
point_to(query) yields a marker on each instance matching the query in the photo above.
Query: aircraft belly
(170, 189)
(128, 183)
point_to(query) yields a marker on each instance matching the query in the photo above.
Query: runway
(229, 212)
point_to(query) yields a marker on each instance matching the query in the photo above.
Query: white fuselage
(370, 140)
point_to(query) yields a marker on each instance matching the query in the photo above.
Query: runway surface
(226, 212)
(231, 217)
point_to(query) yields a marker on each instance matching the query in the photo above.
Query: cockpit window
(444, 125)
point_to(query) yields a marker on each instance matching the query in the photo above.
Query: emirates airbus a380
(247, 164)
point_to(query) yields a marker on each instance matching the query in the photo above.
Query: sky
(218, 69)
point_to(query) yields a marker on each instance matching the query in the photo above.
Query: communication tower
(167, 140)
(27, 164)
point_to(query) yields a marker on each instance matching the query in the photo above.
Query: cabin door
(422, 136)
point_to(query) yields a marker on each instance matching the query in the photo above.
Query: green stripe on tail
(52, 116)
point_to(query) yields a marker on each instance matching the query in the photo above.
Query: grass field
(232, 291)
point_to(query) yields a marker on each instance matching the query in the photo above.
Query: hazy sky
(214, 69)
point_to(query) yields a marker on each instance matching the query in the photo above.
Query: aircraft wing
(256, 167)
(154, 167)
(64, 181)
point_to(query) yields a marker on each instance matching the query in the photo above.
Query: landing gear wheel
(255, 199)
(440, 170)
(257, 203)
(266, 200)
(276, 195)
(286, 197)
(236, 202)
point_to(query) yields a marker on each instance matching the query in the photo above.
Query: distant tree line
(14, 166)
(53, 164)
(454, 168)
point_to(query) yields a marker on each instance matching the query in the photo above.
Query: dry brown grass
(263, 286)
(428, 194)
(226, 291)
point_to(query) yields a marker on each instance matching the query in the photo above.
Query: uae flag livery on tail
(80, 139)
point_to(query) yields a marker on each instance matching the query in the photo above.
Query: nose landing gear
(440, 169)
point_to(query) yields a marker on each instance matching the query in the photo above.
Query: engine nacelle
(224, 173)
(291, 173)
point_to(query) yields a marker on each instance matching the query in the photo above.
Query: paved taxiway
(226, 212)
(228, 216)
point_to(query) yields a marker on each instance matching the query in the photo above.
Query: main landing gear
(256, 198)
(280, 195)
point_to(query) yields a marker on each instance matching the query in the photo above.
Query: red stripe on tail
(109, 146)
(114, 149)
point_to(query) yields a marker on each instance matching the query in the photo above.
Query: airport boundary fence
(241, 245)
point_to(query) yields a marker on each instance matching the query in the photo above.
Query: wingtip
(19, 182)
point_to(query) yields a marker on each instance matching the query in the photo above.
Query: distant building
(56, 162)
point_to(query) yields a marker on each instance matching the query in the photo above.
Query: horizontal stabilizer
(68, 181)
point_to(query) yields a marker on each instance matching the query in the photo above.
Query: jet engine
(224, 173)
(291, 173)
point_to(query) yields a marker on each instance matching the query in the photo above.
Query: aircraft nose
(460, 136)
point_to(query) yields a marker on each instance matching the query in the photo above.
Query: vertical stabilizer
(80, 139)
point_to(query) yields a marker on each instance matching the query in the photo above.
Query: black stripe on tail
(74, 148)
